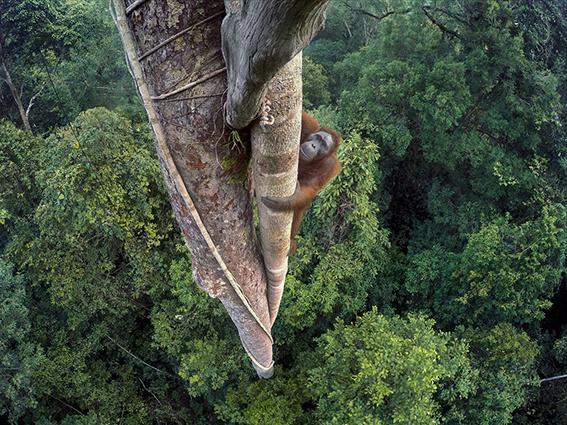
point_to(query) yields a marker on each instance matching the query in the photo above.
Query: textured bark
(174, 52)
(258, 38)
(194, 154)
(275, 151)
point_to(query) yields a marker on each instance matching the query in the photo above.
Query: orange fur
(312, 177)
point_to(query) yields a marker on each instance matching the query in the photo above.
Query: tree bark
(258, 38)
(275, 157)
(173, 49)
(199, 167)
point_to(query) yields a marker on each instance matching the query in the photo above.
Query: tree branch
(449, 14)
(134, 6)
(139, 359)
(64, 403)
(14, 90)
(553, 378)
(258, 38)
(31, 102)
(373, 15)
(438, 24)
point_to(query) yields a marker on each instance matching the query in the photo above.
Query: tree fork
(259, 37)
(213, 212)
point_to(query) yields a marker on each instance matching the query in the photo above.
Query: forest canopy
(429, 284)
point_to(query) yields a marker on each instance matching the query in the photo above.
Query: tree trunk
(258, 38)
(197, 163)
(8, 79)
(275, 157)
(174, 52)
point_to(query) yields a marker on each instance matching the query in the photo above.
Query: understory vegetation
(429, 284)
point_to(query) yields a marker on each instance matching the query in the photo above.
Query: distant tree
(25, 26)
(504, 357)
(315, 85)
(19, 193)
(505, 273)
(382, 370)
(19, 357)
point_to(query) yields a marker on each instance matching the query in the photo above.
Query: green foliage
(315, 84)
(97, 218)
(277, 401)
(28, 25)
(18, 164)
(505, 358)
(19, 357)
(505, 273)
(448, 219)
(388, 371)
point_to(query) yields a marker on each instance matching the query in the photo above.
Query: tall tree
(179, 71)
(25, 26)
